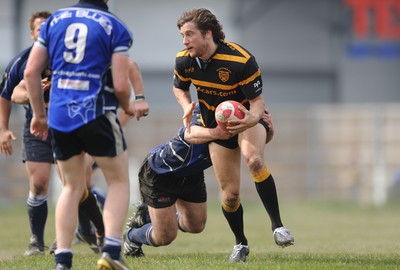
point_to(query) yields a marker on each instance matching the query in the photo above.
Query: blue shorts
(102, 137)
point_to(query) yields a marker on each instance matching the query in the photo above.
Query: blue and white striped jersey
(180, 157)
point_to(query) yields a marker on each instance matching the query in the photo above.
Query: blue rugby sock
(141, 235)
(112, 246)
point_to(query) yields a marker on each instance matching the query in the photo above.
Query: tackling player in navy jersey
(86, 47)
(173, 189)
(172, 177)
(222, 70)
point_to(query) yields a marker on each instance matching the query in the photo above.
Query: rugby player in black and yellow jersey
(221, 70)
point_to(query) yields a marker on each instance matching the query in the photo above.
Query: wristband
(140, 97)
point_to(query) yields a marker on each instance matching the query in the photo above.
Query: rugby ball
(226, 111)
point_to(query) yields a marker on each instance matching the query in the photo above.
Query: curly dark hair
(39, 14)
(205, 21)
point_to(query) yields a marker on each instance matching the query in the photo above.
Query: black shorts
(233, 143)
(102, 137)
(162, 190)
(35, 149)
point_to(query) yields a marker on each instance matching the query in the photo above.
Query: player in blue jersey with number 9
(86, 48)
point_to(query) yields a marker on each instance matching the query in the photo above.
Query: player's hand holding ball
(228, 113)
(220, 133)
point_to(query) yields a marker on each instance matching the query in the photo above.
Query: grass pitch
(327, 236)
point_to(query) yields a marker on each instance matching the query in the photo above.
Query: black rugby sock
(90, 208)
(37, 220)
(235, 221)
(267, 192)
(84, 226)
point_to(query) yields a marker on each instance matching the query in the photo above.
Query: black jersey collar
(203, 64)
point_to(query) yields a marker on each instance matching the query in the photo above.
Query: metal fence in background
(319, 152)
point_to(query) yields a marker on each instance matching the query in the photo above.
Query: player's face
(195, 42)
(36, 27)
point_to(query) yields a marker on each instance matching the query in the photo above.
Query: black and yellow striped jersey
(232, 73)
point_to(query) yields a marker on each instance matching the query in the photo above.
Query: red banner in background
(375, 28)
(380, 16)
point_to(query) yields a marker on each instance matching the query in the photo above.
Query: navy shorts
(233, 143)
(102, 137)
(162, 190)
(35, 149)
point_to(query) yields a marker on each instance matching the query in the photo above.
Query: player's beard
(200, 52)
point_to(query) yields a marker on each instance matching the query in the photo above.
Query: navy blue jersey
(14, 73)
(80, 41)
(231, 73)
(180, 157)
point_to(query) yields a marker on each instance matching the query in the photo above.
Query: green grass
(327, 236)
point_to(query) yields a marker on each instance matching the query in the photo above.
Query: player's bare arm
(200, 134)
(119, 69)
(5, 135)
(20, 92)
(135, 77)
(185, 100)
(123, 118)
(37, 62)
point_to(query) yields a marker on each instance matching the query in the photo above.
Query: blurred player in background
(20, 96)
(37, 154)
(91, 227)
(222, 70)
(88, 55)
(173, 189)
(141, 109)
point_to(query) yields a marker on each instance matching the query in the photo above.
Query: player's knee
(230, 201)
(163, 236)
(197, 227)
(232, 198)
(255, 164)
(165, 239)
(39, 183)
(39, 188)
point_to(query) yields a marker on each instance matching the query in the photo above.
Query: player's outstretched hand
(187, 116)
(5, 142)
